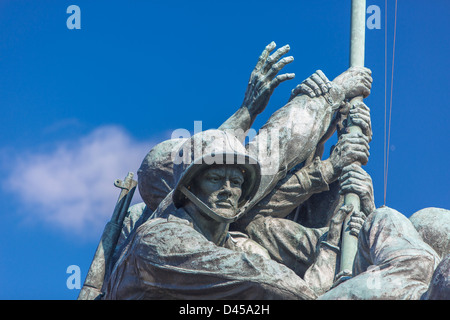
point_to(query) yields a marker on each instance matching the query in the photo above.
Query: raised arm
(262, 83)
(292, 133)
(300, 184)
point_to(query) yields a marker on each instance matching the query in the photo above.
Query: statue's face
(220, 188)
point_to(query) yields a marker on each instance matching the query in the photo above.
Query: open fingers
(278, 66)
(279, 79)
(265, 54)
(275, 57)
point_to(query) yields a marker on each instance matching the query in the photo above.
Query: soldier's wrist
(329, 171)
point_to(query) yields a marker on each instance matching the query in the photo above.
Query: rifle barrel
(96, 275)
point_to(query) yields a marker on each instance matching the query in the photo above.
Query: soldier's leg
(440, 283)
(433, 224)
(287, 242)
(393, 262)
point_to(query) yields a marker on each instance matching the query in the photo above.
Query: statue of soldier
(392, 261)
(188, 252)
(186, 227)
(308, 116)
(304, 124)
(275, 182)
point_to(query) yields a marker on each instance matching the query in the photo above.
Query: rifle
(96, 275)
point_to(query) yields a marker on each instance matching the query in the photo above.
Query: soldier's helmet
(155, 175)
(207, 148)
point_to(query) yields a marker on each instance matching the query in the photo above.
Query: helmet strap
(205, 209)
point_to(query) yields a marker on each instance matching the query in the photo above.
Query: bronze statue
(263, 221)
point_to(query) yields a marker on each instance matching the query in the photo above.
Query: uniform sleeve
(131, 219)
(297, 187)
(291, 135)
(171, 260)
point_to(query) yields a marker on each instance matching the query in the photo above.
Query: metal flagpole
(357, 43)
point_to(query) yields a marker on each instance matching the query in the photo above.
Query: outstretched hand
(264, 78)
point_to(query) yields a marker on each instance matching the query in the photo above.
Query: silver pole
(349, 243)
(358, 33)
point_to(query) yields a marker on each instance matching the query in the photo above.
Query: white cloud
(71, 187)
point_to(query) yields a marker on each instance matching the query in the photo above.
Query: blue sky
(80, 108)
